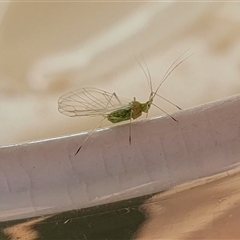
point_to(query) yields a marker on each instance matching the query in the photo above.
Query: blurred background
(50, 48)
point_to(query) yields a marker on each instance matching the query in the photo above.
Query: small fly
(95, 102)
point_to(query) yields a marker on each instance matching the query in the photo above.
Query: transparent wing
(90, 102)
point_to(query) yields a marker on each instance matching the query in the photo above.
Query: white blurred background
(47, 49)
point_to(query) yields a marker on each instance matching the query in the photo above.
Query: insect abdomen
(119, 115)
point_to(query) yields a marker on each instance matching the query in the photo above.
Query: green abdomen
(119, 115)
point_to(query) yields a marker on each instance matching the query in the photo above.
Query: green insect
(96, 102)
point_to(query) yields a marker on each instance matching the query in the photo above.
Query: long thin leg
(169, 101)
(109, 100)
(165, 112)
(130, 129)
(89, 135)
(115, 95)
(147, 112)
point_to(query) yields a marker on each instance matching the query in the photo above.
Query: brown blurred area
(49, 48)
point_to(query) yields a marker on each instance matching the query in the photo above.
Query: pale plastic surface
(45, 176)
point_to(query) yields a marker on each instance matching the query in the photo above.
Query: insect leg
(169, 101)
(111, 97)
(89, 135)
(115, 95)
(109, 101)
(147, 113)
(165, 112)
(130, 129)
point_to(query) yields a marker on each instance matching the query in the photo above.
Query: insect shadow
(95, 102)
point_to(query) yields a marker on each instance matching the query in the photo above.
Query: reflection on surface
(203, 210)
